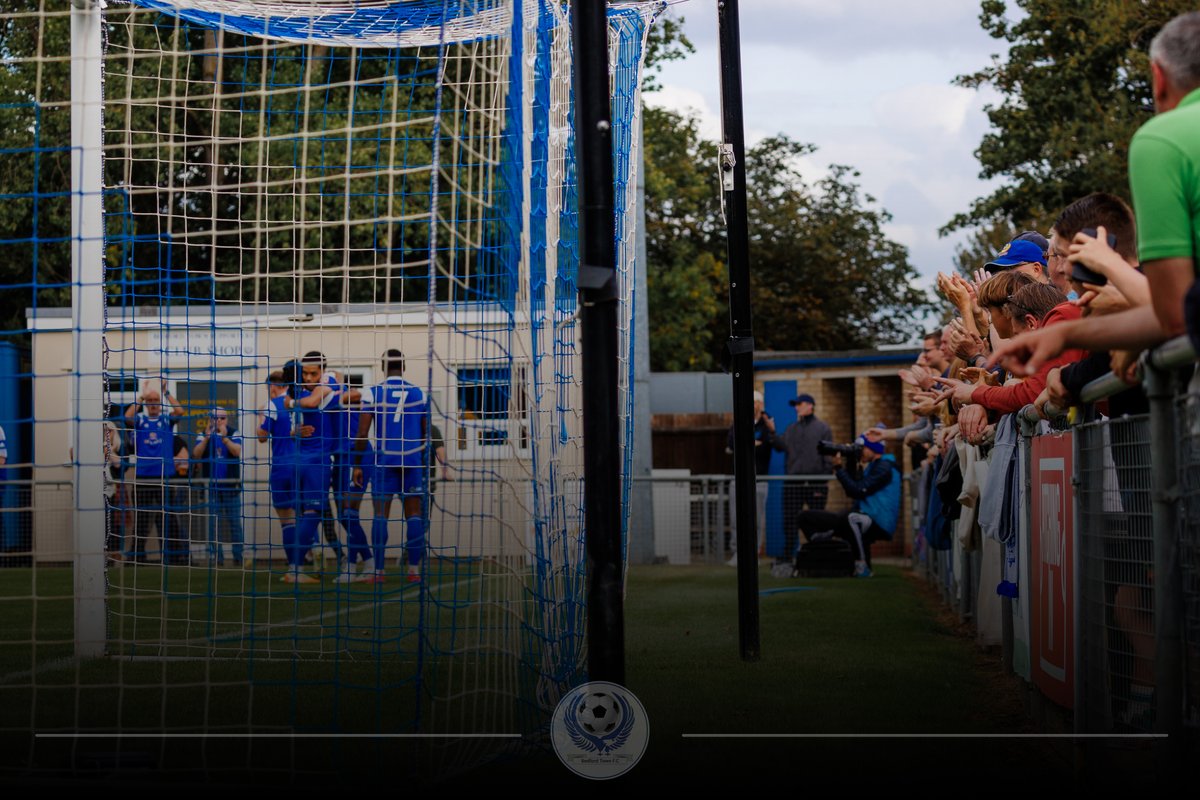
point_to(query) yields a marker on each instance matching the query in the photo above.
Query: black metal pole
(598, 321)
(741, 336)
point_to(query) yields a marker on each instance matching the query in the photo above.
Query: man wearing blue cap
(799, 442)
(1022, 255)
(876, 511)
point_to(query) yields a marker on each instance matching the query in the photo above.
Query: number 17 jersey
(401, 414)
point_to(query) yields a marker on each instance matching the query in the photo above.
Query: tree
(1076, 86)
(665, 42)
(984, 242)
(684, 241)
(823, 274)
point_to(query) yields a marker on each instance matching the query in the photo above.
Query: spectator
(1031, 307)
(219, 451)
(799, 442)
(115, 451)
(1164, 179)
(994, 294)
(437, 444)
(1022, 256)
(1125, 286)
(935, 354)
(177, 547)
(876, 511)
(153, 458)
(764, 438)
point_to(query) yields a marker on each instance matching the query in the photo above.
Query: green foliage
(1076, 86)
(684, 242)
(35, 215)
(984, 242)
(823, 273)
(665, 42)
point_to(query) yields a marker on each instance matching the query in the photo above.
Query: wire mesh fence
(1116, 613)
(1188, 409)
(695, 515)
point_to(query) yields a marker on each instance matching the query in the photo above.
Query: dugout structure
(216, 187)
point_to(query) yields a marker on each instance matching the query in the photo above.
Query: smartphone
(1086, 275)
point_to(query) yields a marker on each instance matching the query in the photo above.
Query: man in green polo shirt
(1164, 175)
(1164, 170)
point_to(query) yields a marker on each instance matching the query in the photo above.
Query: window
(491, 410)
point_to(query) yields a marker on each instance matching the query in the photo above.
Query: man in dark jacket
(764, 439)
(799, 442)
(876, 510)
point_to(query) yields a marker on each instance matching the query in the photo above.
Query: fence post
(1078, 564)
(1168, 587)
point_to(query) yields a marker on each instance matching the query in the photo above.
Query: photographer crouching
(874, 485)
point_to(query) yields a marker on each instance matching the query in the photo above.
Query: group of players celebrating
(320, 434)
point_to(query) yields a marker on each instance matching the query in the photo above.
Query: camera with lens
(851, 452)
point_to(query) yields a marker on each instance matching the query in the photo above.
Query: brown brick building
(853, 389)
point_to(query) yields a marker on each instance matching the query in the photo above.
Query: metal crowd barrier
(1138, 565)
(694, 515)
(1106, 622)
(36, 522)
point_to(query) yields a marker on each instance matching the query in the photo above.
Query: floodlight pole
(741, 337)
(598, 323)
(87, 316)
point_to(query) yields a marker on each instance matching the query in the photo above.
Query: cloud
(846, 29)
(924, 107)
(688, 102)
(870, 84)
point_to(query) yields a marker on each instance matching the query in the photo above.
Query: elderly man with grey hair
(764, 437)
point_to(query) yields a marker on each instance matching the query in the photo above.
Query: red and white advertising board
(1051, 553)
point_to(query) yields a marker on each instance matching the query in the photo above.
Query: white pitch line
(267, 626)
(63, 663)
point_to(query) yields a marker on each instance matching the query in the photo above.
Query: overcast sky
(869, 83)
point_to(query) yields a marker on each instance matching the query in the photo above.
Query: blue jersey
(222, 465)
(277, 422)
(401, 414)
(342, 423)
(152, 440)
(321, 445)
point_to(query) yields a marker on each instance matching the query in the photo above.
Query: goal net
(307, 208)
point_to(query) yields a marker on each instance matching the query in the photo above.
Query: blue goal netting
(301, 441)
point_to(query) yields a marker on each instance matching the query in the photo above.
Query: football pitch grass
(858, 668)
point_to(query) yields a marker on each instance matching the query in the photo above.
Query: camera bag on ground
(825, 557)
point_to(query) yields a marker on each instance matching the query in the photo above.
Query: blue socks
(356, 537)
(416, 539)
(379, 539)
(289, 544)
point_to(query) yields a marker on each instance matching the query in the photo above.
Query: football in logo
(599, 730)
(599, 713)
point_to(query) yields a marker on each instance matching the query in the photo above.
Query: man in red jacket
(1031, 307)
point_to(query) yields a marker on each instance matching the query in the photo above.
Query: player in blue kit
(276, 426)
(400, 414)
(154, 460)
(332, 436)
(347, 494)
(318, 403)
